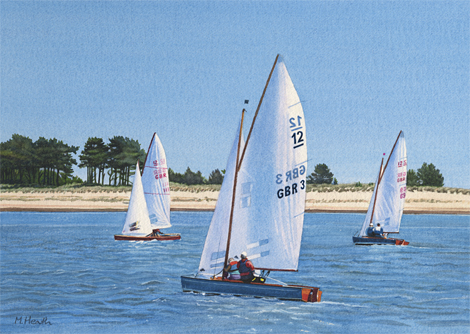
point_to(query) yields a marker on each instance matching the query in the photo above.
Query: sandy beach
(417, 202)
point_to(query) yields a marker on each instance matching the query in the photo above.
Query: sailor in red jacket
(232, 269)
(246, 268)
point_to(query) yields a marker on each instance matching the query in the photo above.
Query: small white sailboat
(154, 193)
(260, 209)
(388, 199)
(137, 223)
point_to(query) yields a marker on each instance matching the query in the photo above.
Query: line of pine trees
(189, 177)
(427, 175)
(117, 160)
(44, 162)
(49, 162)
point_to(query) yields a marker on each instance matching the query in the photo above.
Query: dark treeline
(189, 177)
(427, 175)
(49, 162)
(43, 162)
(117, 160)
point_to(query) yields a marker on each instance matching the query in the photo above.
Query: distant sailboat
(388, 199)
(137, 223)
(260, 209)
(153, 193)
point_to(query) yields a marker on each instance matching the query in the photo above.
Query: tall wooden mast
(234, 192)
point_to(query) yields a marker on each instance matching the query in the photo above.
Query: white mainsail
(270, 194)
(212, 258)
(156, 185)
(391, 191)
(137, 217)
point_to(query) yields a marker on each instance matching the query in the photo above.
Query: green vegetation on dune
(196, 188)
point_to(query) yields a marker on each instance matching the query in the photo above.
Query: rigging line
(277, 281)
(150, 145)
(218, 248)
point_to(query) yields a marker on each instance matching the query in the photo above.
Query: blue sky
(363, 71)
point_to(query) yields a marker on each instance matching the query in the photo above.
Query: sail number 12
(297, 133)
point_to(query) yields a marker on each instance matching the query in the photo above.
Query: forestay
(212, 257)
(156, 185)
(137, 217)
(391, 191)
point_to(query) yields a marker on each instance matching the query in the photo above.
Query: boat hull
(238, 288)
(379, 241)
(162, 237)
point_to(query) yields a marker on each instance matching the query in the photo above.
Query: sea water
(65, 273)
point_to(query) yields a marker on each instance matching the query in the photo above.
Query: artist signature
(29, 321)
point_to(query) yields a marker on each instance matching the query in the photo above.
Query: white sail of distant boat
(156, 185)
(137, 217)
(270, 192)
(390, 191)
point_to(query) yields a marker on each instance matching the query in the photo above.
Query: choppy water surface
(68, 268)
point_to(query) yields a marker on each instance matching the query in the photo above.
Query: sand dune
(345, 201)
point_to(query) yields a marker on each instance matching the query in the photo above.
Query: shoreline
(405, 212)
(417, 202)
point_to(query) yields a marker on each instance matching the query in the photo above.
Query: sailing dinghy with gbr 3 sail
(388, 200)
(260, 209)
(151, 198)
